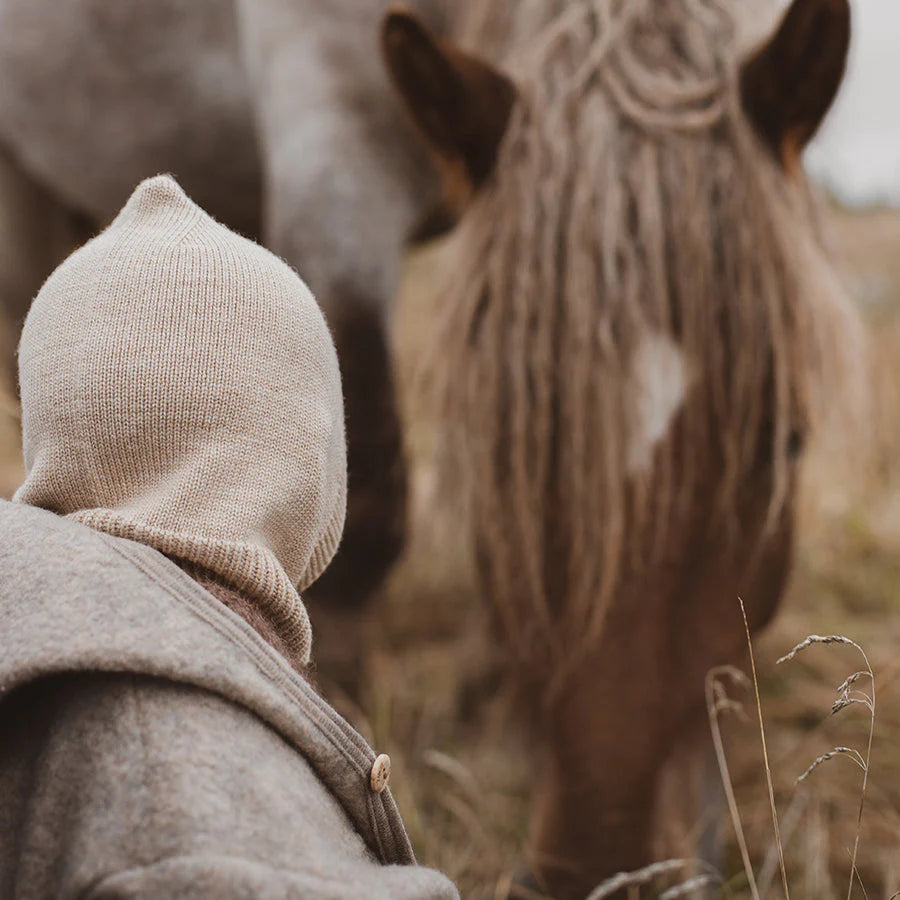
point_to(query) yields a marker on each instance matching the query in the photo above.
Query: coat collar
(72, 599)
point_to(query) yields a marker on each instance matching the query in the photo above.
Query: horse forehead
(659, 378)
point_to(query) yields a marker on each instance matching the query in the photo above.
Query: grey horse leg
(711, 844)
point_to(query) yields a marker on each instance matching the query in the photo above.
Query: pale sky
(857, 153)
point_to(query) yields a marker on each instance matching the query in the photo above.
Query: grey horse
(276, 116)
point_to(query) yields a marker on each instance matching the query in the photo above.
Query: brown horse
(635, 316)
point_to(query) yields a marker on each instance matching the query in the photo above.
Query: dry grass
(719, 701)
(847, 581)
(437, 705)
(11, 469)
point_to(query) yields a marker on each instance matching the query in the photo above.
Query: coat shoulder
(107, 773)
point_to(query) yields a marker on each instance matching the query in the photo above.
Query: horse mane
(637, 317)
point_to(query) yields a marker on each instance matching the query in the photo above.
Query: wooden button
(381, 773)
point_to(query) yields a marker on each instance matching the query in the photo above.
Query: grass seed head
(816, 639)
(647, 875)
(855, 755)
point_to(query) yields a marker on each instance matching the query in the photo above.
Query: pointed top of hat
(159, 199)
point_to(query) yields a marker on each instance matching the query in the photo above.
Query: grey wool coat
(153, 745)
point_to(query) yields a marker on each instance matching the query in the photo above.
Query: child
(186, 473)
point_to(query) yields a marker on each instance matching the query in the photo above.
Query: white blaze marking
(657, 386)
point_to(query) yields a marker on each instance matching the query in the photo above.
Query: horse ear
(788, 85)
(460, 103)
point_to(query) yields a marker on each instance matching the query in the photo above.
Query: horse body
(232, 97)
(274, 116)
(96, 95)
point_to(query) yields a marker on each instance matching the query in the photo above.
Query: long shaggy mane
(637, 241)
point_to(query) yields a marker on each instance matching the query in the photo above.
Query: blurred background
(855, 154)
(436, 704)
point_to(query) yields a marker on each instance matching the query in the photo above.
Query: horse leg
(691, 812)
(36, 233)
(345, 180)
(375, 530)
(712, 812)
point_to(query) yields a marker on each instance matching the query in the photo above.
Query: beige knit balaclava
(180, 388)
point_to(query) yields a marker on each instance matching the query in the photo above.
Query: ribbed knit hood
(180, 388)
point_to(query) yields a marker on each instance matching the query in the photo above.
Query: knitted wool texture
(180, 388)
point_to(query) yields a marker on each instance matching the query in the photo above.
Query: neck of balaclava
(248, 610)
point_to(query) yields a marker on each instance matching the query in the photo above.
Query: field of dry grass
(465, 776)
(435, 704)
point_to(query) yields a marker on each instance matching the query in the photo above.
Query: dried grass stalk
(648, 875)
(838, 751)
(762, 733)
(713, 707)
(691, 886)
